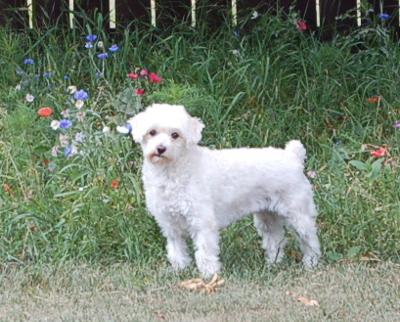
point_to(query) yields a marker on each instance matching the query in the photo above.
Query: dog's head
(165, 132)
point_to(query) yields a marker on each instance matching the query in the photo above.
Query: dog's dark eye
(175, 135)
(153, 132)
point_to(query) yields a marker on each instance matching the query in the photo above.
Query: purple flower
(396, 124)
(114, 48)
(29, 61)
(81, 95)
(384, 16)
(70, 151)
(65, 124)
(102, 56)
(88, 45)
(91, 37)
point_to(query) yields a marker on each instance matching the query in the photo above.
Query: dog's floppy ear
(138, 127)
(194, 131)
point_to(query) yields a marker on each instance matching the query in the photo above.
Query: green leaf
(353, 251)
(359, 165)
(376, 169)
(334, 256)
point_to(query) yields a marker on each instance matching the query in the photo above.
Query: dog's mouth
(156, 157)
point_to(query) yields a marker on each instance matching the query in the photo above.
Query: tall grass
(266, 86)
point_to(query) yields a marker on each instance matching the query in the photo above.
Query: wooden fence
(36, 13)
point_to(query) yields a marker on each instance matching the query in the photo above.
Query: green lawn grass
(265, 87)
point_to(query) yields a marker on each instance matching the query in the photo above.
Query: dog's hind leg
(271, 229)
(306, 231)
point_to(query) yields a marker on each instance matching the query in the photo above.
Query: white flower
(55, 150)
(100, 44)
(72, 89)
(65, 113)
(236, 52)
(254, 15)
(79, 137)
(79, 104)
(122, 129)
(29, 98)
(18, 87)
(106, 129)
(80, 116)
(55, 124)
(64, 141)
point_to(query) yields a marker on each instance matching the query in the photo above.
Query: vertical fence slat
(113, 15)
(318, 13)
(359, 13)
(153, 12)
(29, 5)
(193, 12)
(234, 13)
(71, 13)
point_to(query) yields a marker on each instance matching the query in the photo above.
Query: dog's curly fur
(193, 191)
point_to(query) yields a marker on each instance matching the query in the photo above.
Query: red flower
(143, 72)
(301, 25)
(379, 153)
(115, 184)
(45, 112)
(154, 78)
(139, 91)
(374, 99)
(133, 76)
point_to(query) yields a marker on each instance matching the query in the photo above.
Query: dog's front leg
(206, 238)
(177, 249)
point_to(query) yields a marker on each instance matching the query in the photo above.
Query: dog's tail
(297, 149)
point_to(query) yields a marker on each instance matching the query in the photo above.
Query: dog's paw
(208, 267)
(310, 261)
(179, 263)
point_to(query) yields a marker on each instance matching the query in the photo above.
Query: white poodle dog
(193, 191)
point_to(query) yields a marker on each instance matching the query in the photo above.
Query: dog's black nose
(161, 149)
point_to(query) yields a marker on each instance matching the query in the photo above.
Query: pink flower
(143, 72)
(154, 78)
(139, 91)
(301, 25)
(379, 153)
(133, 76)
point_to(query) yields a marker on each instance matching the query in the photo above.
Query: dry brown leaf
(302, 299)
(307, 302)
(198, 284)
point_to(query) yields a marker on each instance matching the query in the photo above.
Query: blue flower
(88, 45)
(384, 16)
(114, 48)
(236, 33)
(29, 61)
(65, 124)
(47, 74)
(91, 37)
(66, 77)
(81, 95)
(99, 74)
(102, 56)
